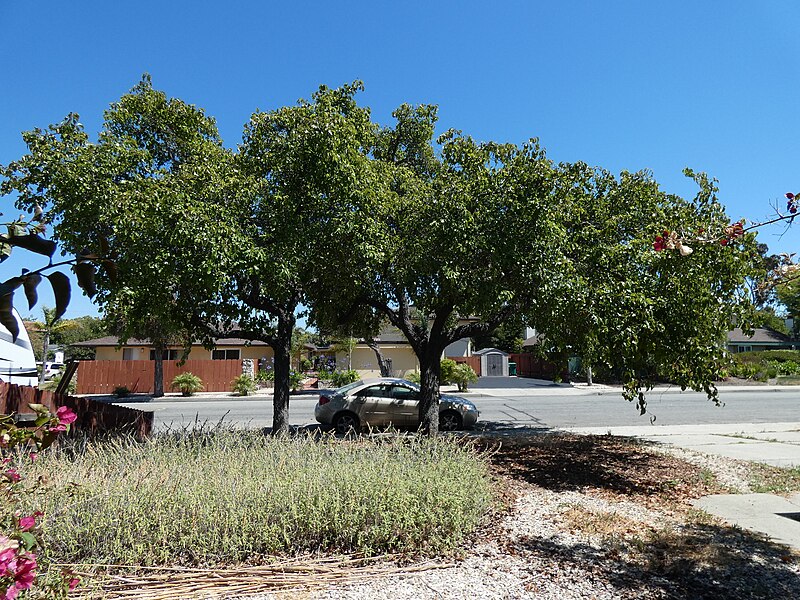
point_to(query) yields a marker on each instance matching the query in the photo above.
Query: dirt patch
(613, 467)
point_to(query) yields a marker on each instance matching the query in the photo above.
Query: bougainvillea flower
(659, 244)
(12, 475)
(723, 242)
(685, 250)
(65, 415)
(790, 195)
(27, 523)
(26, 571)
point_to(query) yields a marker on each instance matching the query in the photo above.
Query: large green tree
(144, 199)
(299, 168)
(638, 312)
(444, 235)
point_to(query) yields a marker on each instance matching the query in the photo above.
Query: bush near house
(768, 364)
(187, 383)
(244, 385)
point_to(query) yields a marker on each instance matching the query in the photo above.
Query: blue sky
(619, 84)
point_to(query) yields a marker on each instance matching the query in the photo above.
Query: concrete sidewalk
(776, 444)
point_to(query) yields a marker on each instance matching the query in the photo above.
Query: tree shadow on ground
(624, 466)
(693, 557)
(701, 562)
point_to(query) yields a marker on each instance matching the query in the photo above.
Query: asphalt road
(532, 406)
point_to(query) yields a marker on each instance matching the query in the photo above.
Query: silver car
(388, 401)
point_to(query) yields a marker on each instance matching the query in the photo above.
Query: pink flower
(8, 561)
(26, 571)
(73, 583)
(10, 593)
(60, 428)
(33, 456)
(65, 415)
(27, 523)
(12, 475)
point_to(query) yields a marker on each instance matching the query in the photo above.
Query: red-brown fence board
(530, 365)
(93, 417)
(103, 376)
(472, 361)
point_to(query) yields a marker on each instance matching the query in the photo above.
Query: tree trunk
(45, 346)
(588, 374)
(280, 394)
(383, 364)
(158, 371)
(430, 373)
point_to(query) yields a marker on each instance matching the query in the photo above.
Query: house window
(166, 355)
(127, 353)
(225, 354)
(745, 349)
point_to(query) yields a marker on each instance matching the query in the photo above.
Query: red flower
(790, 195)
(723, 242)
(659, 244)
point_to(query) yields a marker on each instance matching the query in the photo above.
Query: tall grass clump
(231, 497)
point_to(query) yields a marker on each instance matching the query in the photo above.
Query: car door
(405, 405)
(372, 404)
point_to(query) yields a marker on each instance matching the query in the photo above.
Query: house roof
(761, 335)
(112, 340)
(489, 351)
(534, 340)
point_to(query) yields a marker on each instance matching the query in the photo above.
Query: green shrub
(209, 498)
(265, 376)
(463, 375)
(305, 365)
(340, 378)
(187, 383)
(413, 377)
(121, 391)
(296, 381)
(448, 368)
(244, 385)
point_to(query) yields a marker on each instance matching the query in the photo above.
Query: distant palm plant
(244, 385)
(187, 383)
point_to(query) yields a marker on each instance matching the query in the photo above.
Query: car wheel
(449, 420)
(346, 422)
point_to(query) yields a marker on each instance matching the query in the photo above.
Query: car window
(401, 392)
(375, 391)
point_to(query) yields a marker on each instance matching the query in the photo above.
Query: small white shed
(494, 362)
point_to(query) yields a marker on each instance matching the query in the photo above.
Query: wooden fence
(93, 417)
(103, 376)
(472, 361)
(530, 365)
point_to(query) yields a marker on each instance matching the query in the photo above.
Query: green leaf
(27, 540)
(34, 243)
(61, 291)
(38, 408)
(30, 282)
(84, 271)
(7, 318)
(5, 251)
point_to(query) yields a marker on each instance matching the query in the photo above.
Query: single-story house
(393, 346)
(762, 339)
(108, 348)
